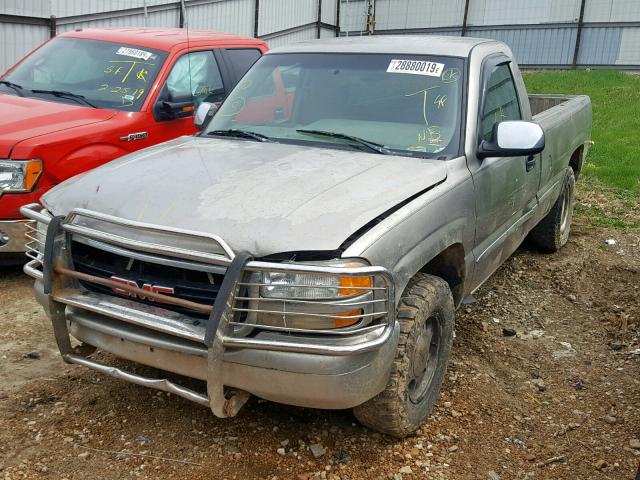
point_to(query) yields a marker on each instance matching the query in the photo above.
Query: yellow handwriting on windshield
(440, 101)
(142, 74)
(128, 66)
(431, 135)
(451, 75)
(425, 95)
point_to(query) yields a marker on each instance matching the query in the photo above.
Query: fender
(408, 239)
(82, 159)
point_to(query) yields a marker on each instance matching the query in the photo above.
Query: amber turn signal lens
(354, 285)
(32, 173)
(350, 318)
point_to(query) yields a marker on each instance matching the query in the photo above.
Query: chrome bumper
(14, 234)
(313, 369)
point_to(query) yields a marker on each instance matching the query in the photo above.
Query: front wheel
(426, 318)
(552, 233)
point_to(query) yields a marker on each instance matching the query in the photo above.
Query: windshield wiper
(15, 86)
(60, 93)
(374, 147)
(236, 132)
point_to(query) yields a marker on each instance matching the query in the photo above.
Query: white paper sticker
(134, 52)
(416, 67)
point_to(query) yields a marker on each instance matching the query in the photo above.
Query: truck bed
(566, 121)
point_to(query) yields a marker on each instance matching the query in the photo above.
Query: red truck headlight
(18, 176)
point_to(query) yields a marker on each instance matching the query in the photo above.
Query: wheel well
(449, 265)
(576, 161)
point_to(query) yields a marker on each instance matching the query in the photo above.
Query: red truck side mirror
(176, 106)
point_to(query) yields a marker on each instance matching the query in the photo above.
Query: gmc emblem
(146, 286)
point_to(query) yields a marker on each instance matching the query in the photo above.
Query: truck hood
(263, 198)
(23, 118)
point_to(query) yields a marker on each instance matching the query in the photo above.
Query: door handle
(531, 162)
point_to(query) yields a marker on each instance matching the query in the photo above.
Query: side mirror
(204, 113)
(176, 106)
(513, 138)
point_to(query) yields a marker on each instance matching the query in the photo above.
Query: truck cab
(87, 97)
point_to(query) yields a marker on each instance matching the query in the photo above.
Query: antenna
(183, 8)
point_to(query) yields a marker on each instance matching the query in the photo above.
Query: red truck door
(205, 75)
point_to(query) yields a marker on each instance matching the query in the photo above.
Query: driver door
(197, 74)
(505, 188)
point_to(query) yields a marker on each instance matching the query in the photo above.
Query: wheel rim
(565, 214)
(424, 360)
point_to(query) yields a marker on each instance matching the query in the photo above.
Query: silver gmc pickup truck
(311, 244)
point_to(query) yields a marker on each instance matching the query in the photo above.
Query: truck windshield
(87, 72)
(399, 104)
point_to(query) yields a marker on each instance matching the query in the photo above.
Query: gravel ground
(544, 382)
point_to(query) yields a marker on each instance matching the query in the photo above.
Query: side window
(500, 101)
(242, 59)
(196, 73)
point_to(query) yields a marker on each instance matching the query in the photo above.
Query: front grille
(192, 285)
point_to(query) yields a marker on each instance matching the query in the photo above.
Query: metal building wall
(163, 19)
(353, 16)
(401, 14)
(540, 32)
(25, 24)
(277, 15)
(230, 16)
(17, 39)
(297, 36)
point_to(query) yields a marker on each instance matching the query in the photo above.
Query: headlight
(19, 175)
(306, 300)
(314, 286)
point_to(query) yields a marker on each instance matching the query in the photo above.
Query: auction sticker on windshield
(134, 52)
(416, 67)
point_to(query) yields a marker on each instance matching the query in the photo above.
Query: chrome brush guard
(51, 263)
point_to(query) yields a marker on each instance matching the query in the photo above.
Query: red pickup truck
(87, 97)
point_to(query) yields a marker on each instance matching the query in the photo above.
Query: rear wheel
(552, 233)
(426, 318)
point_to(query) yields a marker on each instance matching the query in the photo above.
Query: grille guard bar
(218, 338)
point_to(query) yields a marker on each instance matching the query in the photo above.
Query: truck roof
(399, 44)
(159, 38)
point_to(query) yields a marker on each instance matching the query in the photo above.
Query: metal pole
(371, 17)
(579, 34)
(144, 6)
(181, 20)
(256, 18)
(319, 22)
(53, 29)
(338, 17)
(464, 19)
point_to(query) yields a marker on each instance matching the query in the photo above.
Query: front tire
(426, 317)
(552, 233)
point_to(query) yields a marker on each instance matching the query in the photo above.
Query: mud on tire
(552, 233)
(426, 317)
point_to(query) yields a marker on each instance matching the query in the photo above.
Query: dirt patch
(544, 383)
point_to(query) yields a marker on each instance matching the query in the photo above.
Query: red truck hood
(24, 118)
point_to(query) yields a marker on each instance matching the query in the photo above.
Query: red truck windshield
(106, 74)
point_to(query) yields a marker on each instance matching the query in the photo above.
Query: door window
(196, 73)
(500, 101)
(242, 59)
